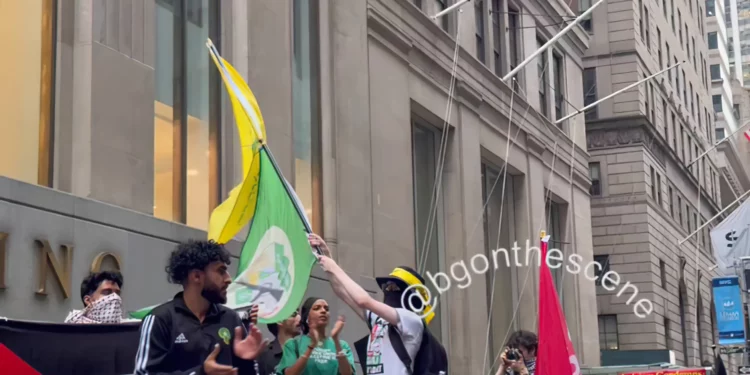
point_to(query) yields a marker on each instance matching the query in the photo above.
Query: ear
(86, 300)
(195, 275)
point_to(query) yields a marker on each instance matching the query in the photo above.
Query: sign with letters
(730, 314)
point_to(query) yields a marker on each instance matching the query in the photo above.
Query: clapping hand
(338, 327)
(251, 346)
(210, 367)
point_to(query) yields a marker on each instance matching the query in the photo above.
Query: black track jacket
(174, 341)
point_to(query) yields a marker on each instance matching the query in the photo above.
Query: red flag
(556, 354)
(14, 365)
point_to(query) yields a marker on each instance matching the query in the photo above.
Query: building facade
(650, 194)
(119, 141)
(727, 93)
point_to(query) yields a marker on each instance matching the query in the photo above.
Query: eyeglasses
(390, 286)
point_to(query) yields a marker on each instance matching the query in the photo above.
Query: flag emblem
(276, 259)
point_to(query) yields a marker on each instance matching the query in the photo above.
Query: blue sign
(730, 315)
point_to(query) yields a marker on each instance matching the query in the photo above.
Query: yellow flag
(234, 213)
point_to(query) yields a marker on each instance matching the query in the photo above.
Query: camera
(513, 354)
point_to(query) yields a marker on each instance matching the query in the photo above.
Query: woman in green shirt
(314, 353)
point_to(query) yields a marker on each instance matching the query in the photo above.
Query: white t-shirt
(381, 358)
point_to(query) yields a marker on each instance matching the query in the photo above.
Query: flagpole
(594, 104)
(450, 9)
(551, 41)
(300, 212)
(712, 219)
(718, 143)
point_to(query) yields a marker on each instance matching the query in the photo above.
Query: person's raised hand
(249, 347)
(316, 241)
(210, 367)
(314, 337)
(253, 314)
(326, 263)
(338, 327)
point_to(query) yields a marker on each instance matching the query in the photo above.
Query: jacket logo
(224, 334)
(181, 339)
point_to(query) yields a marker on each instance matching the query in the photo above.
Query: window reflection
(26, 90)
(163, 113)
(427, 223)
(305, 110)
(185, 176)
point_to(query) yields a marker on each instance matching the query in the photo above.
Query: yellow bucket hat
(406, 277)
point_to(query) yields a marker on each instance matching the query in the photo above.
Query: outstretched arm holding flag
(348, 290)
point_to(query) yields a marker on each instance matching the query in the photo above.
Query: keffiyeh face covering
(106, 310)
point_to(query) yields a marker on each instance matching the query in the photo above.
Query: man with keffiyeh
(100, 294)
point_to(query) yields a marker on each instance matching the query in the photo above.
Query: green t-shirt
(322, 361)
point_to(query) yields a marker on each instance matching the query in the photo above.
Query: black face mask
(393, 299)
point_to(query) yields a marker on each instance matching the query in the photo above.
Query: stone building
(118, 142)
(647, 194)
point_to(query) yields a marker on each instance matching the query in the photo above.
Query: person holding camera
(519, 356)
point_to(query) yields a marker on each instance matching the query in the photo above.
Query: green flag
(276, 260)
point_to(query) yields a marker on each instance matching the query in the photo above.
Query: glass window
(671, 202)
(716, 99)
(441, 6)
(514, 25)
(719, 134)
(497, 36)
(586, 23)
(653, 183)
(479, 34)
(498, 233)
(589, 92)
(186, 113)
(306, 111)
(603, 261)
(428, 233)
(736, 111)
(559, 86)
(713, 42)
(27, 89)
(187, 106)
(715, 72)
(554, 215)
(646, 20)
(542, 75)
(595, 176)
(668, 333)
(710, 8)
(608, 332)
(669, 53)
(658, 47)
(658, 190)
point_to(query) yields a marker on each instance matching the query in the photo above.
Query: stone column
(351, 127)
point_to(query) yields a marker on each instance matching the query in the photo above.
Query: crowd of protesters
(195, 333)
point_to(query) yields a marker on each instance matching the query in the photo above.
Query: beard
(214, 294)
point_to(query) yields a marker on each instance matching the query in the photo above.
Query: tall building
(737, 18)
(727, 92)
(650, 195)
(119, 141)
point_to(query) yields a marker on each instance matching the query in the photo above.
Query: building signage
(50, 265)
(730, 315)
(695, 371)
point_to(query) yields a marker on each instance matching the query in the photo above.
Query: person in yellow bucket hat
(405, 278)
(397, 333)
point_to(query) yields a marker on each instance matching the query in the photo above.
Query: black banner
(72, 349)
